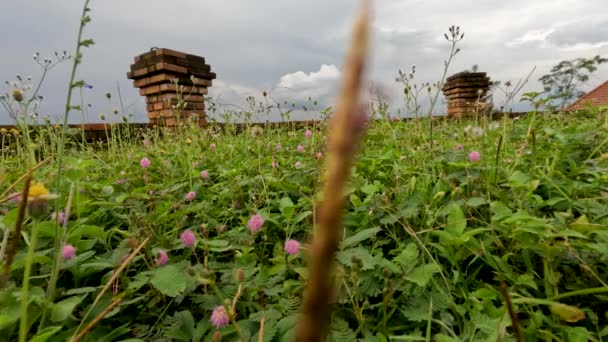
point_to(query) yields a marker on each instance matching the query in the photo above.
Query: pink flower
(68, 252)
(163, 258)
(166, 163)
(205, 174)
(219, 317)
(297, 164)
(145, 162)
(121, 181)
(308, 134)
(274, 164)
(318, 155)
(191, 195)
(15, 197)
(147, 142)
(212, 147)
(61, 217)
(195, 164)
(459, 147)
(279, 147)
(300, 148)
(188, 238)
(474, 156)
(255, 223)
(292, 247)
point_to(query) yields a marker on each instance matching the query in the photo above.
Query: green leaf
(301, 216)
(359, 236)
(45, 334)
(519, 180)
(170, 280)
(341, 332)
(87, 42)
(408, 258)
(582, 225)
(78, 84)
(285, 203)
(217, 245)
(577, 334)
(423, 274)
(287, 207)
(445, 338)
(362, 254)
(80, 290)
(456, 220)
(475, 202)
(370, 189)
(88, 231)
(62, 310)
(37, 259)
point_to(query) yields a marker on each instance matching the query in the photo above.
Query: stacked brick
(173, 83)
(464, 92)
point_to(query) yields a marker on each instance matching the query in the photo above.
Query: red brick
(169, 52)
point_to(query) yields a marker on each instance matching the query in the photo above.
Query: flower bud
(240, 275)
(567, 313)
(17, 95)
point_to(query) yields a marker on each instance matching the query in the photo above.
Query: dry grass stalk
(4, 197)
(16, 234)
(512, 314)
(346, 126)
(96, 320)
(261, 334)
(121, 268)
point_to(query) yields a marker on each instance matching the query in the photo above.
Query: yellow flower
(188, 141)
(37, 190)
(38, 197)
(3, 130)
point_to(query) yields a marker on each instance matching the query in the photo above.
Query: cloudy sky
(294, 49)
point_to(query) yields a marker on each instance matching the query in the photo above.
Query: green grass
(429, 234)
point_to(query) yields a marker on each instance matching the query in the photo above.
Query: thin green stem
(23, 324)
(57, 262)
(583, 292)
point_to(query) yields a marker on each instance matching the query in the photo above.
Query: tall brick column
(173, 83)
(463, 90)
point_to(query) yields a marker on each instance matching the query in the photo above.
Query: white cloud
(533, 36)
(294, 50)
(300, 80)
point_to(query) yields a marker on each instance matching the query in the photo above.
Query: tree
(566, 78)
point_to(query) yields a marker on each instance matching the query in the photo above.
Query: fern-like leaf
(408, 258)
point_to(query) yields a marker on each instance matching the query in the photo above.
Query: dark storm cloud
(580, 32)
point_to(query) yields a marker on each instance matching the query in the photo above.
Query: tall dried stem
(345, 130)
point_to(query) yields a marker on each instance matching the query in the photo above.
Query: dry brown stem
(16, 234)
(122, 266)
(514, 323)
(345, 129)
(96, 320)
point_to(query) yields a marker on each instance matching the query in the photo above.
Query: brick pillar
(463, 90)
(173, 83)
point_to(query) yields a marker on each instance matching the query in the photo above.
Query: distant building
(596, 97)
